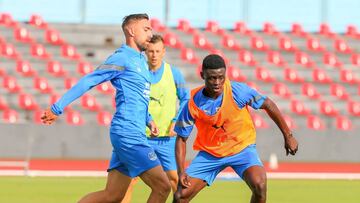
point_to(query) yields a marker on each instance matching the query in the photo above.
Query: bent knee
(259, 188)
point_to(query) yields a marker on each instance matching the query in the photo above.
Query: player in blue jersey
(132, 156)
(167, 86)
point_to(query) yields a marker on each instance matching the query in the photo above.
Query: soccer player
(167, 86)
(226, 134)
(132, 156)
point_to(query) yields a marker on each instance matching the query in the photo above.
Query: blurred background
(305, 55)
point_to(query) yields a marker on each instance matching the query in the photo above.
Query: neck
(211, 94)
(154, 67)
(132, 44)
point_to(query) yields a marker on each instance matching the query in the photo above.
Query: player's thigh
(117, 183)
(172, 175)
(155, 177)
(255, 176)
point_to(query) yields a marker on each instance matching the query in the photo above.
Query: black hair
(213, 61)
(129, 18)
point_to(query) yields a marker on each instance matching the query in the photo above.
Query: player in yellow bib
(167, 86)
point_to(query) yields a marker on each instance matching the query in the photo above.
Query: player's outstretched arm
(291, 144)
(180, 153)
(48, 117)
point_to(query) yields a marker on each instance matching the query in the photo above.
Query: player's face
(214, 81)
(155, 53)
(143, 34)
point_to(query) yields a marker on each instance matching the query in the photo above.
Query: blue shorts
(134, 160)
(164, 148)
(206, 166)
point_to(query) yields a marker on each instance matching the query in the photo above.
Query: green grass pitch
(70, 189)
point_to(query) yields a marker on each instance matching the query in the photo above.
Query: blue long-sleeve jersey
(128, 72)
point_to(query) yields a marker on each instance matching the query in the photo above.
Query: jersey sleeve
(185, 122)
(104, 72)
(245, 95)
(182, 92)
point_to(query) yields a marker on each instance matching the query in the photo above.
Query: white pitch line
(223, 175)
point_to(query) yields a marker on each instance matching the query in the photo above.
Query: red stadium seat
(327, 108)
(213, 27)
(27, 102)
(313, 44)
(348, 76)
(37, 21)
(22, 35)
(53, 37)
(286, 44)
(258, 43)
(7, 20)
(42, 85)
(281, 90)
(297, 29)
(104, 118)
(298, 107)
(53, 98)
(25, 69)
(184, 25)
(84, 68)
(10, 84)
(3, 104)
(235, 74)
(240, 27)
(157, 25)
(2, 72)
(269, 28)
(331, 59)
(89, 102)
(353, 108)
(338, 91)
(351, 31)
(229, 42)
(310, 91)
(105, 88)
(289, 122)
(56, 69)
(200, 41)
(188, 55)
(263, 74)
(292, 75)
(70, 52)
(70, 82)
(37, 116)
(320, 76)
(315, 123)
(247, 58)
(343, 123)
(355, 59)
(259, 121)
(325, 30)
(303, 58)
(10, 116)
(171, 40)
(9, 51)
(275, 58)
(74, 118)
(39, 51)
(342, 47)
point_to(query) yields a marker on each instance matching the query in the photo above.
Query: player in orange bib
(226, 135)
